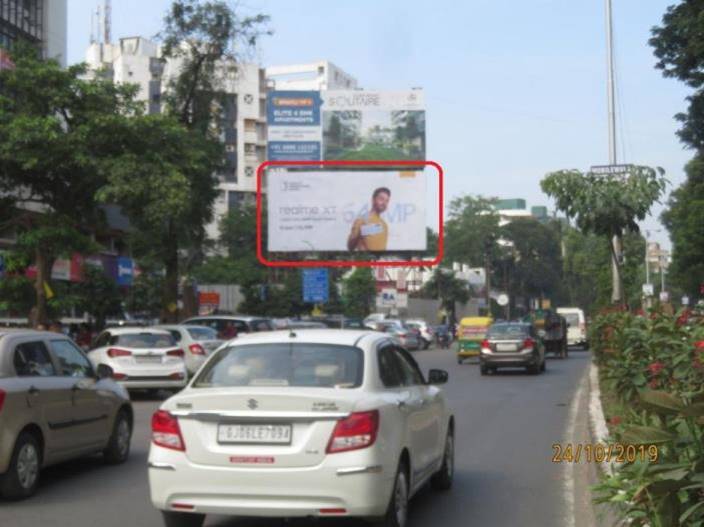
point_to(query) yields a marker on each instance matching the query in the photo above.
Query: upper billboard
(346, 211)
(346, 125)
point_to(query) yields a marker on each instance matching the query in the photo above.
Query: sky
(514, 90)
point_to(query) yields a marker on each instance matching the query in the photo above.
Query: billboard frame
(351, 263)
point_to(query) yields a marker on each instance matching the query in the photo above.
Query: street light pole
(617, 284)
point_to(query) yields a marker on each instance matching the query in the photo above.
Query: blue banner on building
(294, 126)
(293, 108)
(293, 151)
(125, 271)
(315, 286)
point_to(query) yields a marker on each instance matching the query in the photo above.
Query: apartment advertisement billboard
(293, 124)
(346, 125)
(360, 211)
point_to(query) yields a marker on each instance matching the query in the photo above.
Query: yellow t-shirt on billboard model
(372, 231)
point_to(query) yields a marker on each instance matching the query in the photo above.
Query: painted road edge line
(600, 431)
(570, 469)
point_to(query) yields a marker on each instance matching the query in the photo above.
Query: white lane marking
(569, 469)
(596, 414)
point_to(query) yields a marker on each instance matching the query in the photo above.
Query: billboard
(293, 123)
(346, 125)
(346, 211)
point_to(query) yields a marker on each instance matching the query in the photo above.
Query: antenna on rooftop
(108, 22)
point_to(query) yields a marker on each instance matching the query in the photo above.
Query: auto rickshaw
(470, 334)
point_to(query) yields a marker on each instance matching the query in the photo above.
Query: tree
(608, 205)
(57, 134)
(359, 292)
(159, 185)
(531, 263)
(472, 225)
(99, 295)
(679, 47)
(445, 286)
(684, 219)
(205, 41)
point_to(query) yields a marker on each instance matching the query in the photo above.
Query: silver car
(54, 406)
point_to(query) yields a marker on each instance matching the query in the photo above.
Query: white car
(197, 342)
(426, 332)
(311, 423)
(141, 358)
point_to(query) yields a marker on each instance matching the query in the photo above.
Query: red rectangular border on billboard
(351, 263)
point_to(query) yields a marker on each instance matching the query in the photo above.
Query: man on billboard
(370, 232)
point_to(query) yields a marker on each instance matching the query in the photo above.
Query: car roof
(22, 332)
(343, 337)
(181, 326)
(138, 330)
(245, 318)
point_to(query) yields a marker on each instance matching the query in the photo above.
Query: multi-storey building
(242, 121)
(322, 75)
(41, 22)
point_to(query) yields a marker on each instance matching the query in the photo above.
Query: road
(506, 426)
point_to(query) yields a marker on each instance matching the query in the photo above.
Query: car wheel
(459, 361)
(182, 519)
(426, 344)
(442, 480)
(22, 477)
(543, 366)
(483, 369)
(118, 449)
(397, 512)
(533, 369)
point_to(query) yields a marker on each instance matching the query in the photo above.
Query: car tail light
(485, 344)
(528, 343)
(430, 331)
(119, 376)
(2, 399)
(176, 376)
(166, 432)
(117, 352)
(583, 328)
(356, 431)
(196, 349)
(175, 353)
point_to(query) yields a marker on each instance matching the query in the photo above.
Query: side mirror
(104, 371)
(541, 333)
(437, 377)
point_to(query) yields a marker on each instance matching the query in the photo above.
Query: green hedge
(653, 364)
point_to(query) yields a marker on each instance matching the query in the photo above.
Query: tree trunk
(40, 315)
(169, 312)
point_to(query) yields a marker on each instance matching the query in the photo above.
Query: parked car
(512, 344)
(373, 318)
(426, 331)
(323, 423)
(408, 337)
(342, 322)
(54, 406)
(229, 326)
(197, 342)
(141, 358)
(577, 326)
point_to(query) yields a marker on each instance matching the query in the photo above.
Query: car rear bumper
(510, 359)
(271, 492)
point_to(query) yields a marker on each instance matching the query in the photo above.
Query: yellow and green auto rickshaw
(470, 333)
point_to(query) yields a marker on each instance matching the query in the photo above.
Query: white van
(577, 330)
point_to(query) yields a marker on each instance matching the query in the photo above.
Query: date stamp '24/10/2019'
(599, 453)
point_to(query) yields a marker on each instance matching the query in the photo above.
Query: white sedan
(321, 423)
(141, 358)
(197, 342)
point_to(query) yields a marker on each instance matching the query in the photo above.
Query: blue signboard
(315, 286)
(293, 108)
(294, 126)
(125, 271)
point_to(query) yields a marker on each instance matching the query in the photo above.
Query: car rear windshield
(204, 333)
(283, 364)
(143, 340)
(508, 331)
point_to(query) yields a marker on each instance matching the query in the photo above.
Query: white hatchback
(141, 358)
(305, 423)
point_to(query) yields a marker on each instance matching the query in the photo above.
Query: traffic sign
(648, 290)
(685, 300)
(611, 170)
(664, 296)
(502, 300)
(315, 286)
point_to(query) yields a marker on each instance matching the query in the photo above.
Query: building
(510, 209)
(657, 259)
(138, 60)
(42, 22)
(322, 75)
